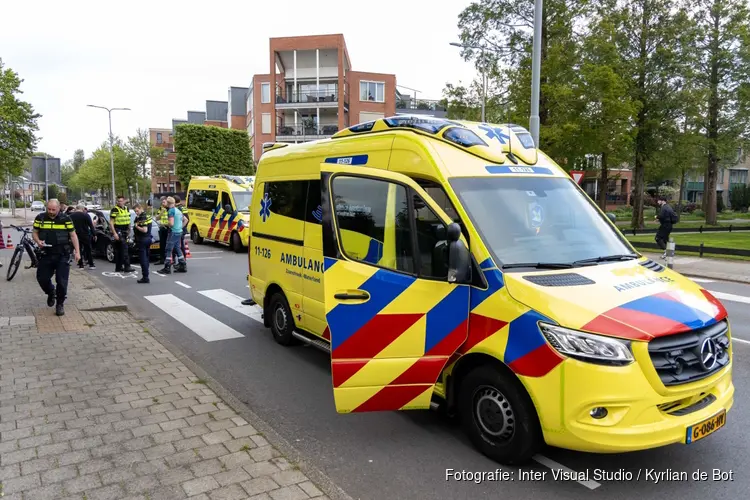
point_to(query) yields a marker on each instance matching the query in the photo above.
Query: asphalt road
(405, 455)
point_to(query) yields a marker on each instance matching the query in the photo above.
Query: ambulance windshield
(537, 219)
(242, 200)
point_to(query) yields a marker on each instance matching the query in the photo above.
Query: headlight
(587, 347)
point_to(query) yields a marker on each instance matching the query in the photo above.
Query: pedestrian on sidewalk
(173, 243)
(54, 233)
(163, 228)
(142, 227)
(119, 224)
(667, 218)
(85, 232)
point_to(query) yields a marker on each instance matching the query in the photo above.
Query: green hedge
(209, 150)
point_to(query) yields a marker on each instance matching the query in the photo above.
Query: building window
(288, 198)
(251, 127)
(171, 167)
(159, 138)
(372, 91)
(250, 101)
(265, 123)
(265, 93)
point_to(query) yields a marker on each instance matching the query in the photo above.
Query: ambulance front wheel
(498, 416)
(281, 319)
(195, 235)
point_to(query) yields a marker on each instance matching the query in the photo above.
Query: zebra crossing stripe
(233, 302)
(200, 323)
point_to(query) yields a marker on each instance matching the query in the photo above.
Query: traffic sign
(577, 175)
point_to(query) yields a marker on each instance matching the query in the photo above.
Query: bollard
(701, 250)
(670, 253)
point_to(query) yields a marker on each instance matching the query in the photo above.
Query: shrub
(208, 150)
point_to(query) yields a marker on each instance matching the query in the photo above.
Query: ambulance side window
(203, 199)
(373, 222)
(313, 212)
(432, 243)
(287, 198)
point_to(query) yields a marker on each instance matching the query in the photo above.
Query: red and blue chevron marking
(654, 316)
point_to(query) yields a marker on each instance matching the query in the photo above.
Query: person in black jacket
(667, 217)
(86, 233)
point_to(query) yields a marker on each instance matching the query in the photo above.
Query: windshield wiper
(539, 265)
(606, 258)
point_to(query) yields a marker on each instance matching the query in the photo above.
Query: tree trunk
(639, 175)
(683, 174)
(604, 183)
(713, 121)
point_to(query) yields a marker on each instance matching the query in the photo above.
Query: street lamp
(536, 62)
(111, 154)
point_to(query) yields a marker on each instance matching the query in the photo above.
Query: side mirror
(459, 257)
(612, 217)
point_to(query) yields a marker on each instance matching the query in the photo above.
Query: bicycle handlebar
(23, 229)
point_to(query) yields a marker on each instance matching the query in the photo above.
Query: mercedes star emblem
(708, 354)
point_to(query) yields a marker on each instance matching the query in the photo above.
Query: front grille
(563, 279)
(678, 408)
(652, 265)
(683, 358)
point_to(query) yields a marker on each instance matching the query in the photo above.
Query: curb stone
(321, 480)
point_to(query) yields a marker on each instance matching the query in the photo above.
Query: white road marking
(234, 302)
(592, 485)
(183, 284)
(203, 325)
(211, 251)
(741, 340)
(202, 258)
(702, 280)
(731, 297)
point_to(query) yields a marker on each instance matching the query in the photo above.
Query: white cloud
(162, 59)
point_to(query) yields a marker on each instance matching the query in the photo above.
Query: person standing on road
(667, 217)
(185, 219)
(119, 223)
(142, 227)
(173, 244)
(85, 232)
(163, 228)
(55, 234)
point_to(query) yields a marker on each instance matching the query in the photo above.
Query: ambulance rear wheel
(282, 321)
(498, 416)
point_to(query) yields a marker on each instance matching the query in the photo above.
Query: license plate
(155, 245)
(705, 428)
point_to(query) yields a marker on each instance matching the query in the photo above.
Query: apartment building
(312, 91)
(729, 178)
(163, 179)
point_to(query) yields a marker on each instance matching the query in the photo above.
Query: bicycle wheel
(15, 263)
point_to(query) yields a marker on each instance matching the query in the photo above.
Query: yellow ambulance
(453, 264)
(218, 207)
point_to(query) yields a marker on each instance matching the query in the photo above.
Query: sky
(163, 58)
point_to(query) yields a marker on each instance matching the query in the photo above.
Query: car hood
(636, 300)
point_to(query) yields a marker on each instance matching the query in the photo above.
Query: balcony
(305, 132)
(406, 104)
(309, 99)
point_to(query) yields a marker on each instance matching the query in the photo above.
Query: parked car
(37, 205)
(104, 247)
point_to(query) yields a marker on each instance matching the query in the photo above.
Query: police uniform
(143, 241)
(55, 257)
(120, 217)
(163, 232)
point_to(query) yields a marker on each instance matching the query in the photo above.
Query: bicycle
(29, 245)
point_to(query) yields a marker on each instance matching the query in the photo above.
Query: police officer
(55, 234)
(163, 228)
(142, 228)
(119, 223)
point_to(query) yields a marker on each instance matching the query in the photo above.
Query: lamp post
(111, 154)
(536, 62)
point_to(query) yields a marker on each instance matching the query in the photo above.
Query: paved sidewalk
(94, 407)
(702, 267)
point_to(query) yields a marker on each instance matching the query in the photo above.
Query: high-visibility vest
(164, 216)
(122, 216)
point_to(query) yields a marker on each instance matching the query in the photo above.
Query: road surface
(406, 455)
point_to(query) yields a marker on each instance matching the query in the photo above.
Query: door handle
(353, 295)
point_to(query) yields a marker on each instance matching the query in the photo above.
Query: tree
(208, 150)
(139, 148)
(506, 28)
(78, 158)
(18, 124)
(653, 39)
(605, 107)
(724, 61)
(95, 173)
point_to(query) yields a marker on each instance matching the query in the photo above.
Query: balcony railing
(308, 130)
(308, 97)
(407, 103)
